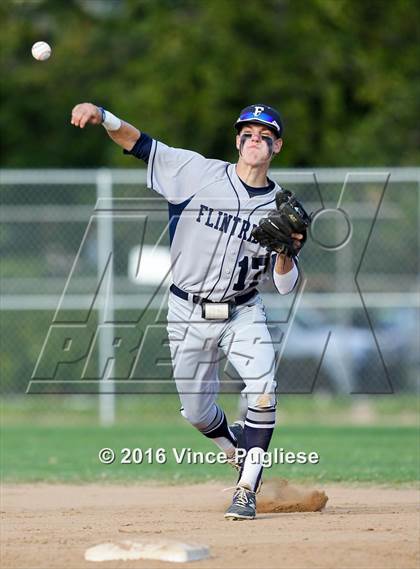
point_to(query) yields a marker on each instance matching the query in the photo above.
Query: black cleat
(237, 430)
(243, 505)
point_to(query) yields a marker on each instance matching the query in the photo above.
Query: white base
(163, 550)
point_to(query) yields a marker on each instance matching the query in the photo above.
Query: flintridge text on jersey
(226, 223)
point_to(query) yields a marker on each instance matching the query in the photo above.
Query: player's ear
(238, 142)
(278, 143)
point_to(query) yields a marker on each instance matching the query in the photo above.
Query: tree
(343, 73)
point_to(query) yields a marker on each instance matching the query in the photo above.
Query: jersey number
(258, 264)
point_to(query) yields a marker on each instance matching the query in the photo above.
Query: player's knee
(199, 418)
(261, 401)
(262, 393)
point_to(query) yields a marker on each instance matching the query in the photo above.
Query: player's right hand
(85, 113)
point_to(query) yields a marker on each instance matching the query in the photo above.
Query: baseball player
(220, 252)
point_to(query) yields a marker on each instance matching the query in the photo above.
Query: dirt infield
(51, 526)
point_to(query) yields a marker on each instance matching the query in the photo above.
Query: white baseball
(41, 50)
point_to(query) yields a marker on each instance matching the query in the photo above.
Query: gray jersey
(212, 215)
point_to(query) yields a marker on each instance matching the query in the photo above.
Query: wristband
(109, 121)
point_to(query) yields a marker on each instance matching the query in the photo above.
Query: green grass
(57, 438)
(70, 454)
(315, 409)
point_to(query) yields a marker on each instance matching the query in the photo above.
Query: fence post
(105, 255)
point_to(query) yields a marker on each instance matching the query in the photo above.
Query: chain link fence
(70, 243)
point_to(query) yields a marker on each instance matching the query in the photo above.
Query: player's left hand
(297, 238)
(283, 230)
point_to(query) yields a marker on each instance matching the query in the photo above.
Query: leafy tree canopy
(343, 73)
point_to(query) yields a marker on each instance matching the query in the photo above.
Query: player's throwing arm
(120, 131)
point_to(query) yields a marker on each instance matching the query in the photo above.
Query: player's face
(257, 144)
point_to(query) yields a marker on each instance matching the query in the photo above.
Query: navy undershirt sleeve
(142, 148)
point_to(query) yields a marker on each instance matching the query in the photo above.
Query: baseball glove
(275, 230)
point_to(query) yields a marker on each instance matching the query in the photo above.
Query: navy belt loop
(238, 300)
